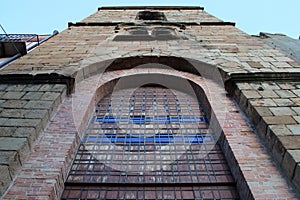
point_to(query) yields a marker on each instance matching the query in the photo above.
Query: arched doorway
(149, 142)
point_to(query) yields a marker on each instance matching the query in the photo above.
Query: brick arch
(176, 63)
(96, 66)
(209, 91)
(104, 83)
(149, 76)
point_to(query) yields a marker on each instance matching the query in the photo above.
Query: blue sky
(42, 17)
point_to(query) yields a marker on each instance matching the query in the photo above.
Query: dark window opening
(152, 143)
(151, 15)
(148, 34)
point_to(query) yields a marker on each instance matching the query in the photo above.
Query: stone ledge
(276, 119)
(22, 118)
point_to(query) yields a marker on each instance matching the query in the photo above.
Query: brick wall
(84, 52)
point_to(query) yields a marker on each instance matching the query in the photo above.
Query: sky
(253, 16)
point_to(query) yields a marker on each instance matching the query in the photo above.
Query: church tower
(151, 103)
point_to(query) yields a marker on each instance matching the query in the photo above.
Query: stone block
(262, 102)
(296, 101)
(289, 162)
(3, 87)
(13, 113)
(285, 93)
(279, 111)
(12, 144)
(3, 121)
(297, 118)
(36, 114)
(286, 86)
(33, 95)
(284, 102)
(278, 150)
(268, 94)
(270, 86)
(15, 144)
(58, 88)
(295, 129)
(50, 96)
(251, 94)
(13, 95)
(273, 131)
(45, 88)
(5, 178)
(280, 130)
(35, 123)
(277, 120)
(296, 179)
(32, 88)
(255, 64)
(27, 132)
(14, 104)
(7, 131)
(244, 86)
(296, 92)
(262, 128)
(16, 88)
(10, 159)
(39, 105)
(296, 109)
(290, 142)
(263, 111)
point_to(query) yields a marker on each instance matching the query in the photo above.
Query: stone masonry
(39, 134)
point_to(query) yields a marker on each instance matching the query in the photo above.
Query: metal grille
(19, 38)
(152, 143)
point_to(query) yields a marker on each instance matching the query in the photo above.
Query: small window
(149, 15)
(147, 34)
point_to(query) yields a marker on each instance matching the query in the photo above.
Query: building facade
(151, 103)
